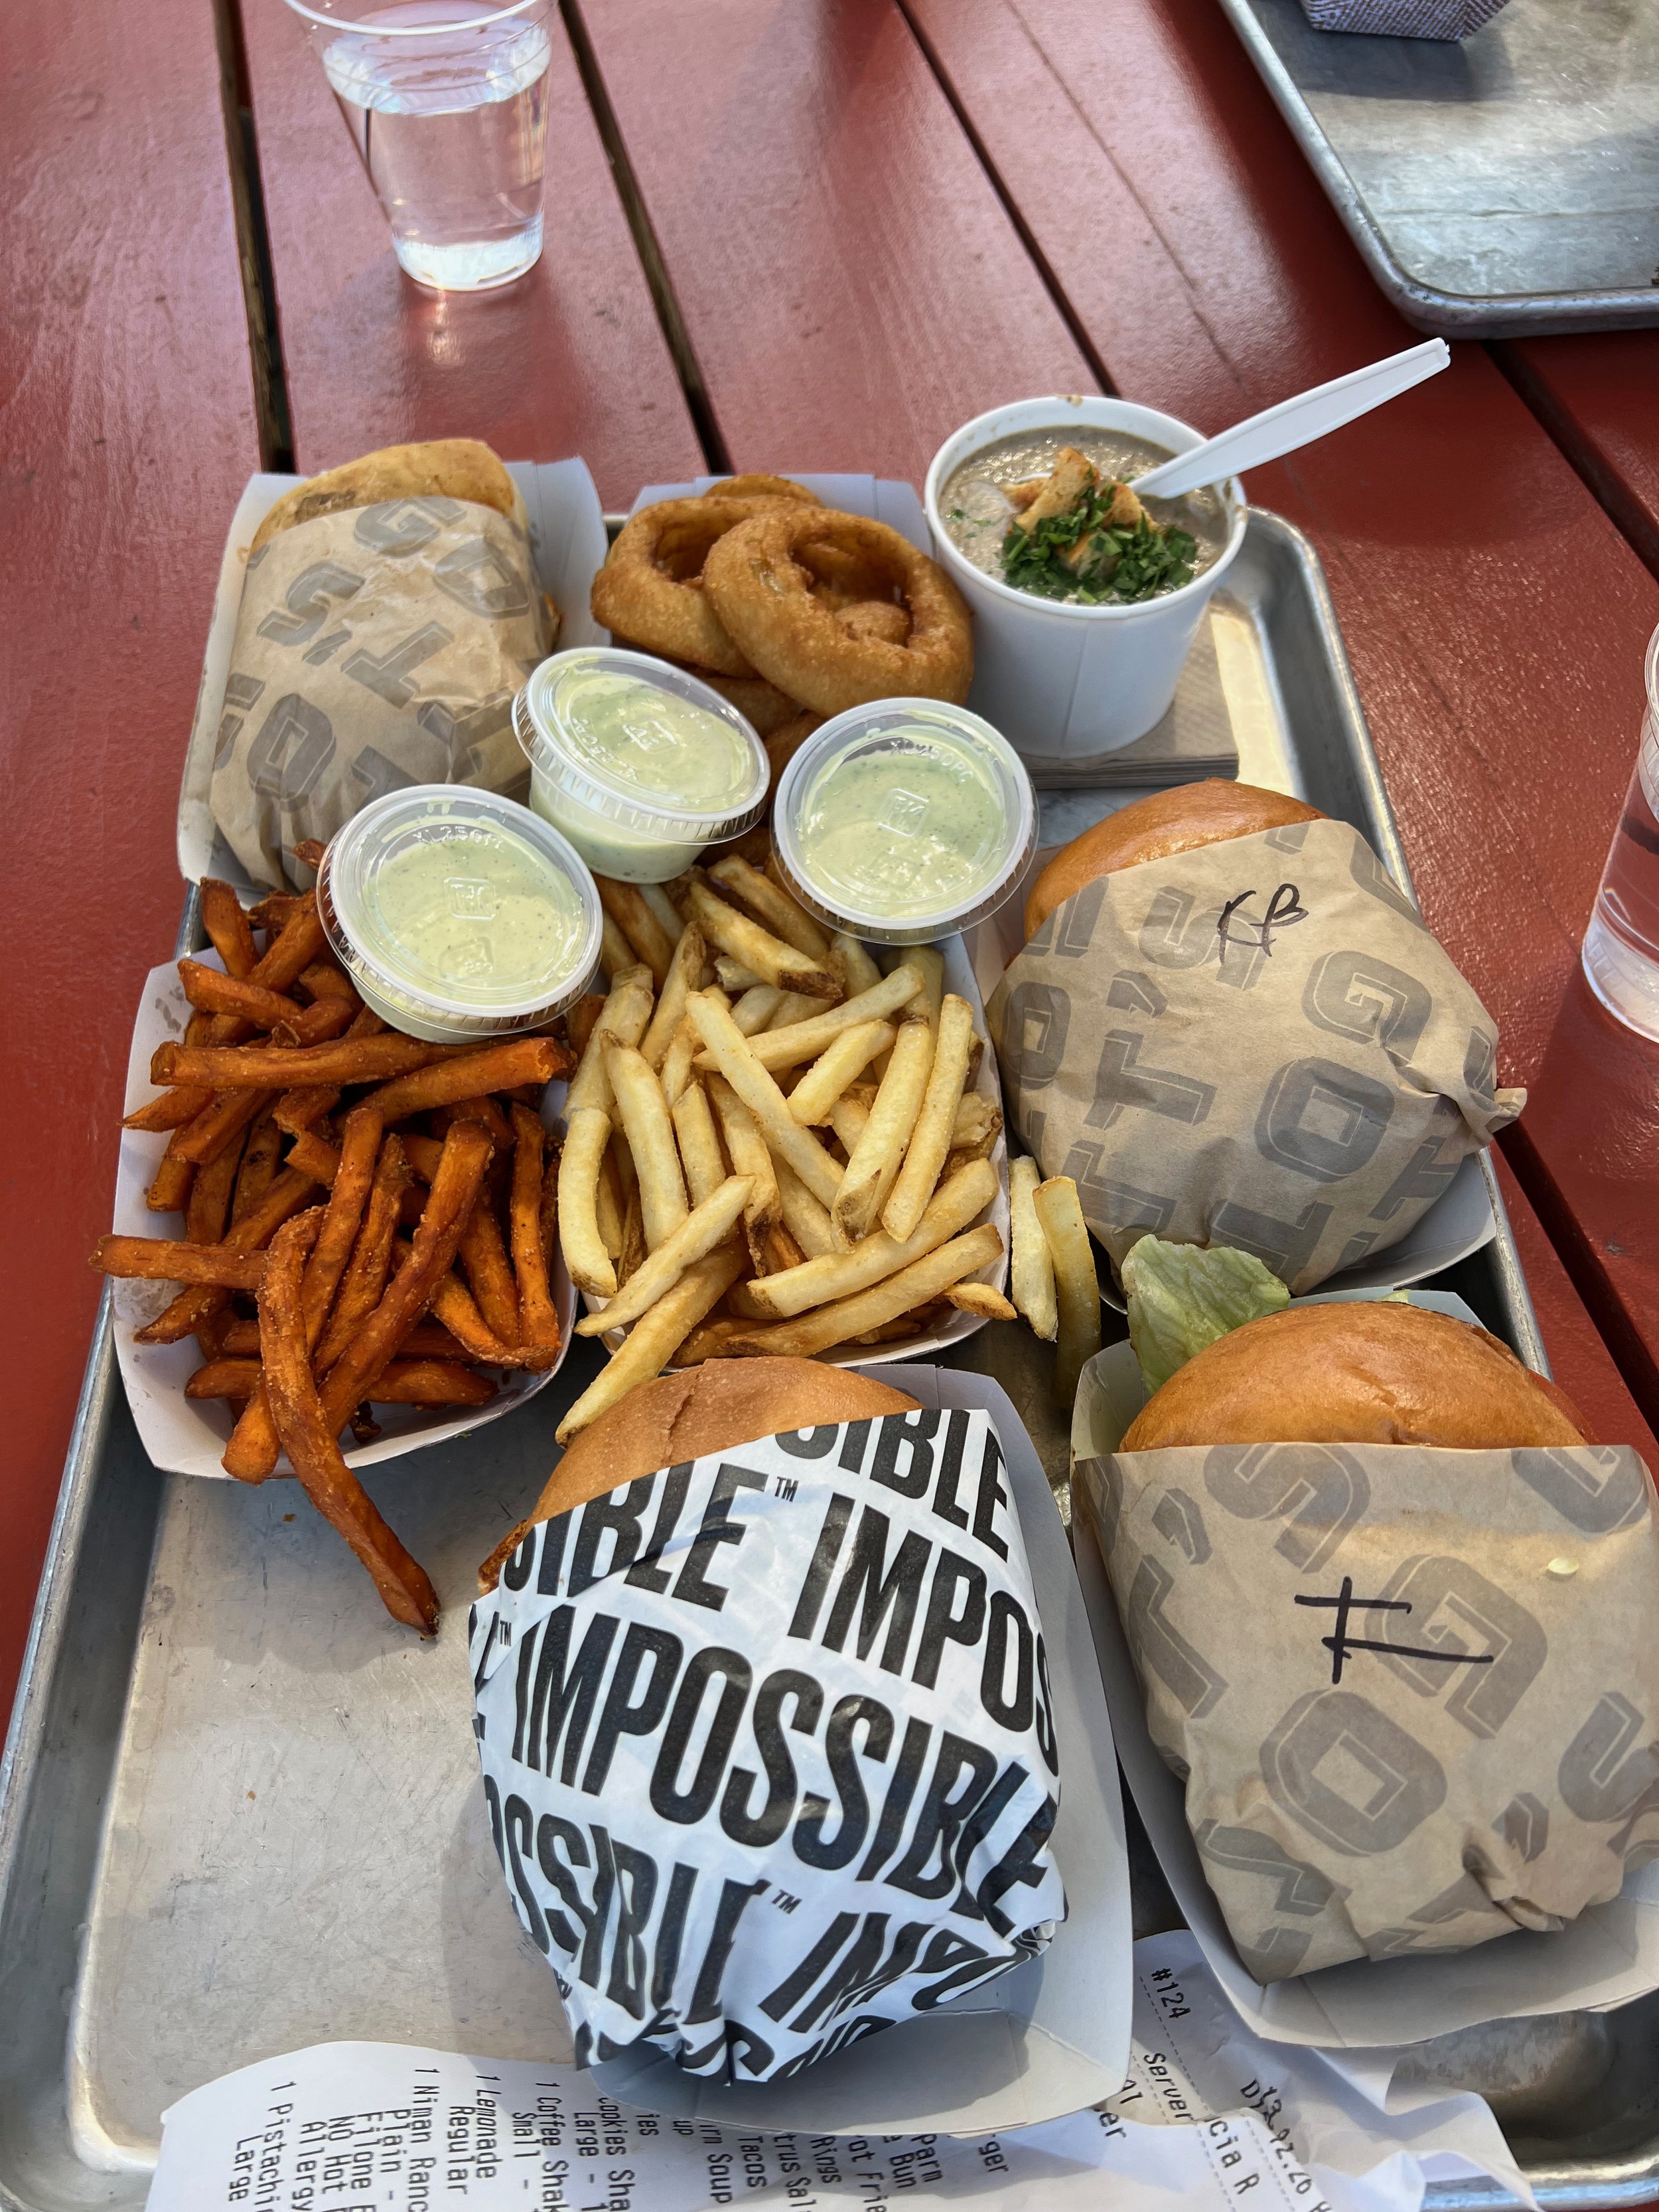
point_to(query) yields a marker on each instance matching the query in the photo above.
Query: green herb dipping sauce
(910, 824)
(473, 914)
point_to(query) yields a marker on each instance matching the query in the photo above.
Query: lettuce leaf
(1181, 1297)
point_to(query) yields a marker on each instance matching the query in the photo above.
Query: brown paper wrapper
(375, 649)
(1258, 1044)
(1480, 1755)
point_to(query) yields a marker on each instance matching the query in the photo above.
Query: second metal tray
(239, 1812)
(1503, 186)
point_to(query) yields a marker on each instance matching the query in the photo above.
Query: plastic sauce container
(640, 765)
(459, 915)
(904, 821)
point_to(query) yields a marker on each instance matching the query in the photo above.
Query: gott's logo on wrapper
(768, 1743)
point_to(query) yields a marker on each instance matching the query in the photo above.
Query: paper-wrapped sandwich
(1390, 1607)
(1229, 1026)
(763, 1713)
(390, 612)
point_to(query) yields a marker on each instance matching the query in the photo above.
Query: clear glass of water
(1621, 946)
(446, 103)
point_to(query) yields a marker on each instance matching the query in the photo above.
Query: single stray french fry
(539, 1324)
(876, 1146)
(980, 1298)
(805, 1218)
(755, 1010)
(766, 955)
(645, 1122)
(735, 1055)
(587, 1132)
(747, 1150)
(805, 1040)
(229, 932)
(162, 1260)
(844, 1061)
(654, 1339)
(652, 943)
(886, 1301)
(622, 1020)
(930, 1139)
(1031, 1264)
(770, 904)
(699, 1143)
(705, 1227)
(684, 974)
(1077, 1286)
(840, 1274)
(312, 1446)
(347, 1059)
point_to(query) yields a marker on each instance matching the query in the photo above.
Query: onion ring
(758, 486)
(764, 596)
(650, 588)
(880, 619)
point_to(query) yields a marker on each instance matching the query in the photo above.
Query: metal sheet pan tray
(238, 1811)
(1507, 185)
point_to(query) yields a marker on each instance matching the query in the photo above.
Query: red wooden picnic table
(782, 237)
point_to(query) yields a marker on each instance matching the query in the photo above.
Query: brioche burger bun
(1177, 821)
(1357, 1373)
(712, 1409)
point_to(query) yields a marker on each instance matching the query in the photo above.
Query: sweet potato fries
(367, 1218)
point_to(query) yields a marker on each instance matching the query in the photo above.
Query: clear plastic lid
(904, 820)
(642, 744)
(462, 905)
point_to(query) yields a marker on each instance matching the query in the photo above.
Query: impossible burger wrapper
(1256, 1043)
(375, 647)
(1412, 1691)
(768, 1745)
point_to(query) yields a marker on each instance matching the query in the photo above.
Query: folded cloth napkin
(1403, 19)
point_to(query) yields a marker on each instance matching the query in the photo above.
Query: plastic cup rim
(374, 30)
(394, 987)
(957, 560)
(885, 928)
(673, 825)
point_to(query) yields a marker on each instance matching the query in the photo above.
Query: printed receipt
(1208, 2118)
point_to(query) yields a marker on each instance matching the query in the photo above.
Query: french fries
(628, 908)
(736, 1056)
(1031, 1264)
(839, 1275)
(1077, 1286)
(887, 1301)
(699, 1142)
(769, 959)
(656, 1337)
(805, 1040)
(684, 974)
(703, 1228)
(650, 1133)
(844, 1061)
(930, 1139)
(747, 1150)
(771, 904)
(622, 1019)
(877, 1150)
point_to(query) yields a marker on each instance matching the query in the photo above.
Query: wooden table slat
(570, 360)
(126, 433)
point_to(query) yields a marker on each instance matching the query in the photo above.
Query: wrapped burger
(1389, 1605)
(764, 1716)
(389, 615)
(1229, 1026)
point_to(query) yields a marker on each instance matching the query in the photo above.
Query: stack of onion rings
(758, 580)
(849, 610)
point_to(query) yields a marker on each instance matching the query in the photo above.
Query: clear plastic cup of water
(1621, 946)
(447, 104)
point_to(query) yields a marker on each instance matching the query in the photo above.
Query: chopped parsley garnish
(1118, 564)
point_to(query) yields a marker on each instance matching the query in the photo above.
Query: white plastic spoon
(1279, 430)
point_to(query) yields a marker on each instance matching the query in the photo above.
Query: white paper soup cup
(903, 821)
(460, 914)
(1069, 684)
